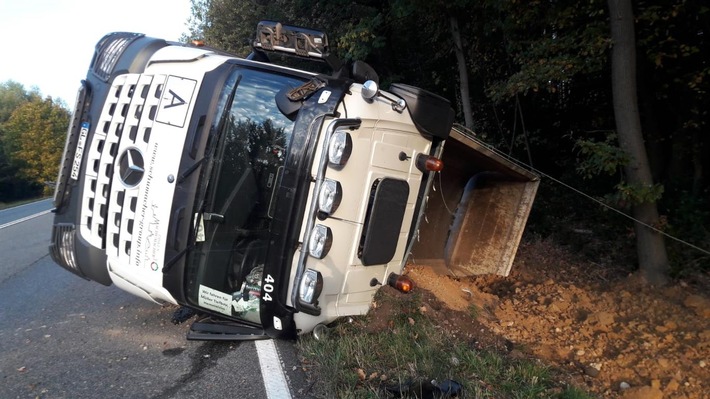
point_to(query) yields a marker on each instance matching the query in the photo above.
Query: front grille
(108, 206)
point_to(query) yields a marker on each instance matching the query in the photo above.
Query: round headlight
(329, 197)
(311, 286)
(340, 147)
(320, 241)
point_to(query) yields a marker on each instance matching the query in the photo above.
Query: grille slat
(108, 206)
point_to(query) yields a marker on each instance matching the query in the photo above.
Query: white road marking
(27, 204)
(24, 219)
(271, 371)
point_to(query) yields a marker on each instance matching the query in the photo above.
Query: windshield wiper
(190, 170)
(212, 217)
(215, 135)
(227, 107)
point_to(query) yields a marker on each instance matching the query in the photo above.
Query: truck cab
(267, 198)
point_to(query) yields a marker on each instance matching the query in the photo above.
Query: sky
(48, 44)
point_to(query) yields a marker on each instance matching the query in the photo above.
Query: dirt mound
(609, 334)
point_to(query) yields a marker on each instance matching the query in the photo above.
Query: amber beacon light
(429, 163)
(400, 283)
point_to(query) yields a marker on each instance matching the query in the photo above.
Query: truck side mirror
(362, 72)
(370, 89)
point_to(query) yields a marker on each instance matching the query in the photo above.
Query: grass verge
(353, 361)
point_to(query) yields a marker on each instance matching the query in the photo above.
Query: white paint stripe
(24, 219)
(27, 204)
(271, 371)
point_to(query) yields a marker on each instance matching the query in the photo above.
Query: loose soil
(597, 327)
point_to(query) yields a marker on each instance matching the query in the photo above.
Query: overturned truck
(269, 199)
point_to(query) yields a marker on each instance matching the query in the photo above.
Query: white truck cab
(267, 198)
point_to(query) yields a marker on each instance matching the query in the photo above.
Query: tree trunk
(463, 71)
(651, 249)
(698, 175)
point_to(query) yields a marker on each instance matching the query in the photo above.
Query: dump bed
(476, 210)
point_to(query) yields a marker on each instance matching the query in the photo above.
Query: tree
(651, 249)
(34, 139)
(12, 95)
(12, 186)
(443, 37)
(463, 70)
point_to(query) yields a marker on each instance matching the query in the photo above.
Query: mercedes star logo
(130, 167)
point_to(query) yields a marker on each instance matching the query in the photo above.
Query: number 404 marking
(268, 287)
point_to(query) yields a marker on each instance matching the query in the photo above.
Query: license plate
(79, 154)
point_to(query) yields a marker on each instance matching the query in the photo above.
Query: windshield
(225, 266)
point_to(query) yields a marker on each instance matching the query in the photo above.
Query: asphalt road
(20, 213)
(64, 337)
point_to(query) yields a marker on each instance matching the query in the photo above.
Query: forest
(537, 80)
(534, 79)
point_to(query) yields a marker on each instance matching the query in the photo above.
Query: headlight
(320, 241)
(339, 148)
(62, 247)
(329, 196)
(311, 286)
(67, 248)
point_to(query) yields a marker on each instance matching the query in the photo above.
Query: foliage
(31, 141)
(632, 194)
(12, 95)
(548, 44)
(605, 157)
(601, 157)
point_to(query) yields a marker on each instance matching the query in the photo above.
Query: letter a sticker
(175, 101)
